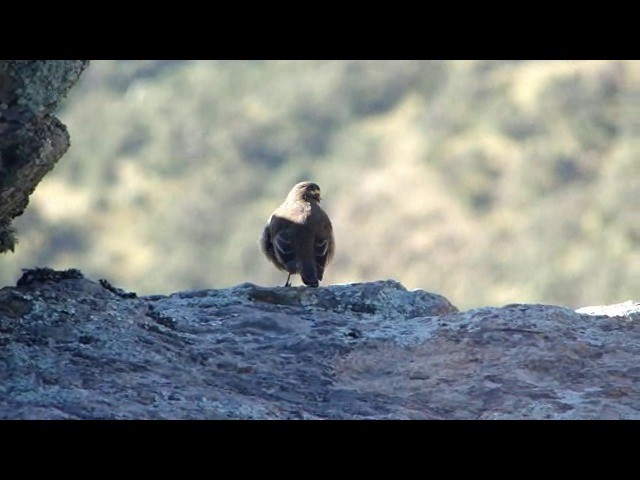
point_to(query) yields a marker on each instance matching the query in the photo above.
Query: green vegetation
(487, 182)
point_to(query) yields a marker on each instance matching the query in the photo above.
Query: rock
(624, 309)
(32, 140)
(76, 349)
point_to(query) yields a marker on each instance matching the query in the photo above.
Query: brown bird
(298, 237)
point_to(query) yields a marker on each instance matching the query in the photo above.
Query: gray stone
(32, 140)
(71, 348)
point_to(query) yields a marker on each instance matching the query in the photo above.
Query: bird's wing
(283, 247)
(324, 246)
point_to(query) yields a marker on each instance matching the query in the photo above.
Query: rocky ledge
(71, 348)
(32, 139)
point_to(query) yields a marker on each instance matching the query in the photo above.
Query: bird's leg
(288, 284)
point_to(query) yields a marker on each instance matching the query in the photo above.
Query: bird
(298, 237)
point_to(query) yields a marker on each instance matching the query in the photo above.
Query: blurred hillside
(486, 182)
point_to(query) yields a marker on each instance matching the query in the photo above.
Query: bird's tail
(309, 274)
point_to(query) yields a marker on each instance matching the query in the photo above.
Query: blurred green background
(489, 182)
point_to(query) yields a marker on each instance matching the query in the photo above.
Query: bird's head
(307, 191)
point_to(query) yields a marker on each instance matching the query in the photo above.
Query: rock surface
(71, 348)
(32, 140)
